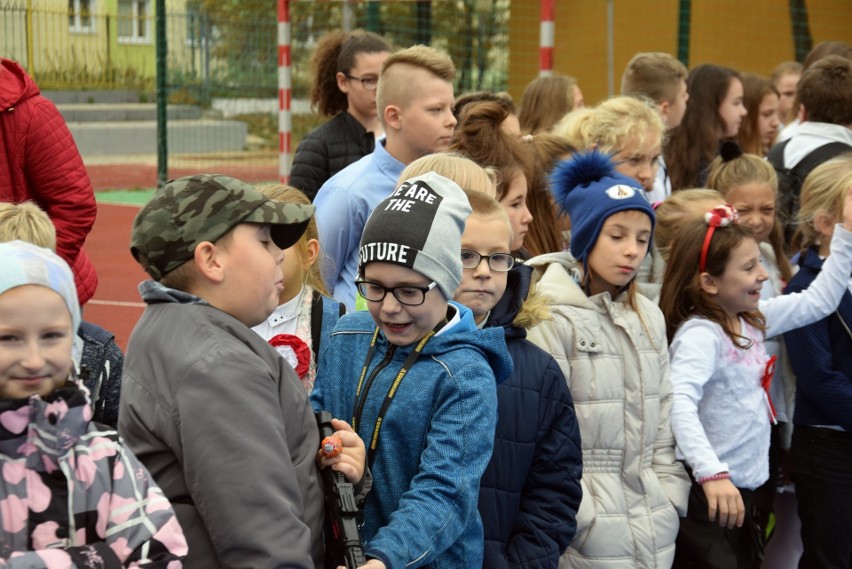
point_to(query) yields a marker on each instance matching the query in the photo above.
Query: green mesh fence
(222, 65)
(222, 56)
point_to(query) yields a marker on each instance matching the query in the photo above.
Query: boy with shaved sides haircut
(530, 491)
(216, 414)
(415, 102)
(662, 79)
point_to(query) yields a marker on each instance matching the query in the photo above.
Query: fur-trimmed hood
(520, 307)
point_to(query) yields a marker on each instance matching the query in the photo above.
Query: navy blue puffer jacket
(530, 491)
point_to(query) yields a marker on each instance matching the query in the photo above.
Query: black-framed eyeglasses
(500, 262)
(369, 83)
(408, 295)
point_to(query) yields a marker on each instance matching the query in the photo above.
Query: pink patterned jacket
(72, 495)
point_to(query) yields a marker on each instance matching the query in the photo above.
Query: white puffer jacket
(617, 368)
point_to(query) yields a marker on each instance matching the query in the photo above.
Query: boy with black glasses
(418, 380)
(530, 491)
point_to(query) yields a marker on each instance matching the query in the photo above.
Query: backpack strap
(316, 322)
(324, 315)
(790, 180)
(776, 155)
(818, 156)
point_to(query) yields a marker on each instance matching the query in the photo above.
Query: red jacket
(39, 161)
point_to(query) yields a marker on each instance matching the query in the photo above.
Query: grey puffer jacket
(615, 360)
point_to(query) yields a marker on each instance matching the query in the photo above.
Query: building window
(80, 16)
(134, 20)
(197, 26)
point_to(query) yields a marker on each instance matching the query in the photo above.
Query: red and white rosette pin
(294, 350)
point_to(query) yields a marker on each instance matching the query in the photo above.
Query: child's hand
(371, 564)
(722, 495)
(847, 210)
(352, 460)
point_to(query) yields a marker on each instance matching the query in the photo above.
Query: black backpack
(790, 179)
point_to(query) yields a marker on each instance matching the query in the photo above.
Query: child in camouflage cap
(217, 416)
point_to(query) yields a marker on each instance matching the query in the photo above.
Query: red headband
(722, 215)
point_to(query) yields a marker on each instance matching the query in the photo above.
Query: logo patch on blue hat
(621, 192)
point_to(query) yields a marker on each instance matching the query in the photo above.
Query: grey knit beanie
(419, 226)
(23, 263)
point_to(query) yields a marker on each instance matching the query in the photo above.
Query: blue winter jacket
(820, 357)
(531, 490)
(435, 441)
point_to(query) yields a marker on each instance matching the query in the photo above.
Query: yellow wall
(749, 35)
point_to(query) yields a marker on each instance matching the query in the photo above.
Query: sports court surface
(116, 305)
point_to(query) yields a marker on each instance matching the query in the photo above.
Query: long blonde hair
(311, 273)
(824, 191)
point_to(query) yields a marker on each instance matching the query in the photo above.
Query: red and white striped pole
(546, 33)
(284, 92)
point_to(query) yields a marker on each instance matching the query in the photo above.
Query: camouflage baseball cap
(193, 209)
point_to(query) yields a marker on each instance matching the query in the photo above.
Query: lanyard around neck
(359, 404)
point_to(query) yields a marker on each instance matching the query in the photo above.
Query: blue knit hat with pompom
(588, 189)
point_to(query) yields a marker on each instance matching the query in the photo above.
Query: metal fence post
(683, 24)
(108, 27)
(610, 48)
(423, 11)
(348, 16)
(802, 40)
(284, 91)
(206, 27)
(373, 17)
(162, 97)
(31, 66)
(546, 30)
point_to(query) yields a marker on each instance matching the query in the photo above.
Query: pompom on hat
(23, 263)
(588, 189)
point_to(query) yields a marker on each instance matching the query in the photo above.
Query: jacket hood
(15, 84)
(465, 335)
(44, 428)
(556, 276)
(520, 308)
(153, 292)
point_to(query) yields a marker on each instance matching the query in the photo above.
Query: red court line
(115, 304)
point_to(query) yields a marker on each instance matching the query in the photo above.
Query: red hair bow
(722, 215)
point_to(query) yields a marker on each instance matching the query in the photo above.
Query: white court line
(117, 303)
